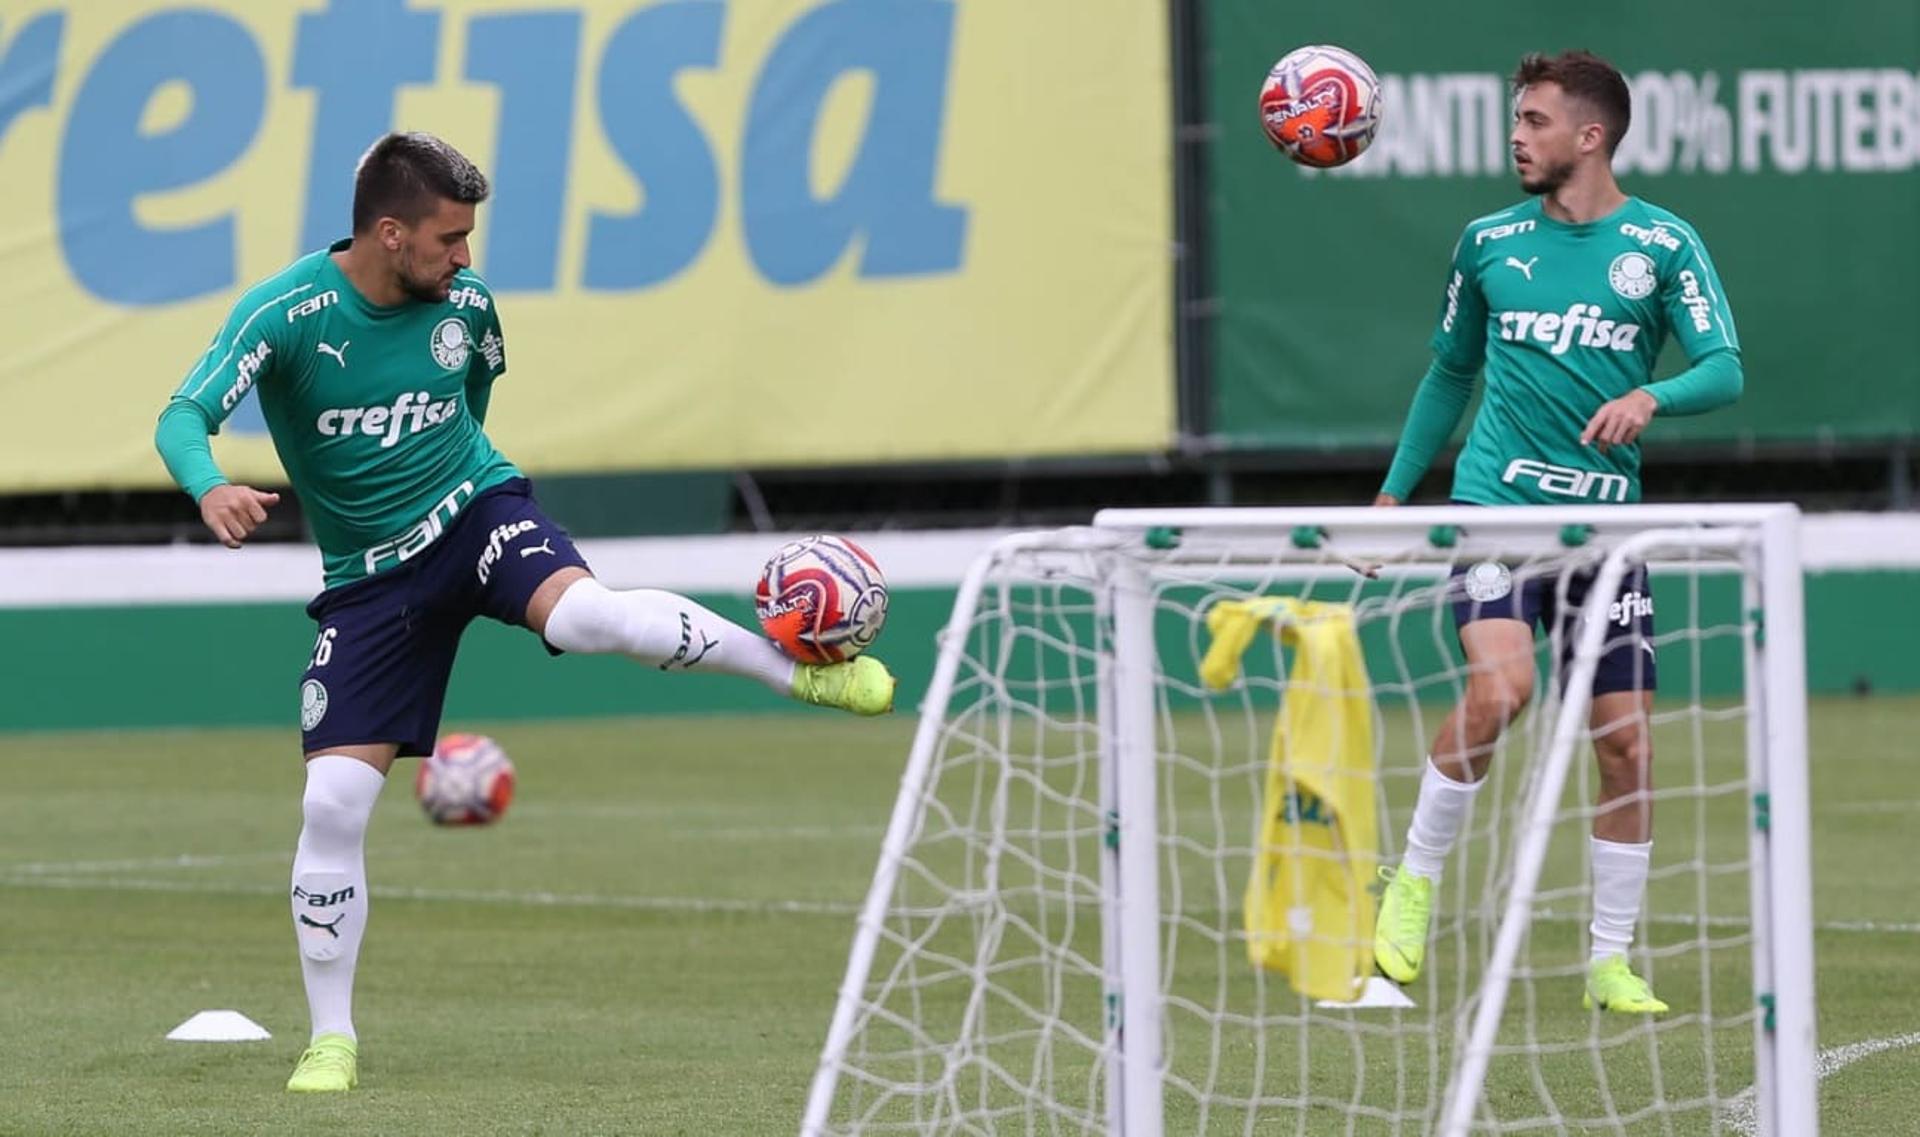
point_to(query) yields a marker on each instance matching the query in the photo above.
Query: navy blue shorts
(385, 651)
(1492, 590)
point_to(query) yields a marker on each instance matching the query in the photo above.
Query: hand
(232, 513)
(1385, 499)
(1620, 421)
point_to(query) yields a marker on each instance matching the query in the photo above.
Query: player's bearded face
(1545, 140)
(433, 251)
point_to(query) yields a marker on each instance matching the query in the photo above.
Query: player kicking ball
(374, 360)
(1566, 299)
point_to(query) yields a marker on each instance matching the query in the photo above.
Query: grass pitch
(649, 944)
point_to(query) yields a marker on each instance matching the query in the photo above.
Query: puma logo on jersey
(1525, 267)
(1580, 325)
(340, 353)
(545, 546)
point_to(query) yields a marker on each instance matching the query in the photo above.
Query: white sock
(664, 630)
(1619, 885)
(1437, 817)
(330, 884)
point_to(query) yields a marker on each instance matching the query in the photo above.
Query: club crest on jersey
(1631, 275)
(450, 344)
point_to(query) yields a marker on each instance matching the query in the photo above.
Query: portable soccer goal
(1121, 891)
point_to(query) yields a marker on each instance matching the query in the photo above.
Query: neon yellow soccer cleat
(330, 1065)
(1612, 986)
(862, 685)
(1400, 931)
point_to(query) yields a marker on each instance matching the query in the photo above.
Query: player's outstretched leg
(330, 1065)
(862, 685)
(674, 633)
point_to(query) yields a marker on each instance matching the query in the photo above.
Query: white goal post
(1054, 939)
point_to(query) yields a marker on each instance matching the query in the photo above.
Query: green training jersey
(370, 408)
(1567, 317)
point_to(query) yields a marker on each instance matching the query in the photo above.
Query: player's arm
(241, 355)
(1459, 348)
(1696, 309)
(489, 359)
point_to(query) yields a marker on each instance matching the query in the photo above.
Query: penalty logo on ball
(1321, 106)
(822, 599)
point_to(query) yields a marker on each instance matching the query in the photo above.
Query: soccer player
(1566, 299)
(374, 360)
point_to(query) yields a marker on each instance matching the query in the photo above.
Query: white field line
(448, 895)
(177, 861)
(11, 877)
(1742, 1115)
(1870, 807)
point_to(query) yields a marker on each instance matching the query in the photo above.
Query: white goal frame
(1764, 538)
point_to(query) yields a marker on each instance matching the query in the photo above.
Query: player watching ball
(1566, 300)
(374, 360)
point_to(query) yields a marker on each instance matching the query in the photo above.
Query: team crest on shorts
(450, 344)
(1631, 275)
(313, 703)
(1488, 580)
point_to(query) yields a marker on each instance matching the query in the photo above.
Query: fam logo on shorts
(1488, 580)
(313, 703)
(1631, 275)
(450, 344)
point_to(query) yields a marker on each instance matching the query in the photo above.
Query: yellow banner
(756, 232)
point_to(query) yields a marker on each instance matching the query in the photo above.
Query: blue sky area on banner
(355, 55)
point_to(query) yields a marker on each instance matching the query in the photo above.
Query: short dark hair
(406, 175)
(1587, 77)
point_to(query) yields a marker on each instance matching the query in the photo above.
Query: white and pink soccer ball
(467, 780)
(822, 599)
(1320, 105)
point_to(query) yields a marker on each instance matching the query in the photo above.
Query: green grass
(652, 940)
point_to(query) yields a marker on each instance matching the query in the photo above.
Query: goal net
(1110, 898)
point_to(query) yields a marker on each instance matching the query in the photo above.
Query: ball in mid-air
(467, 780)
(1320, 105)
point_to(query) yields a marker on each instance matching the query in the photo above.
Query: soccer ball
(1320, 105)
(467, 780)
(822, 599)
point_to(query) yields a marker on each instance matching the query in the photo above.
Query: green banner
(1788, 136)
